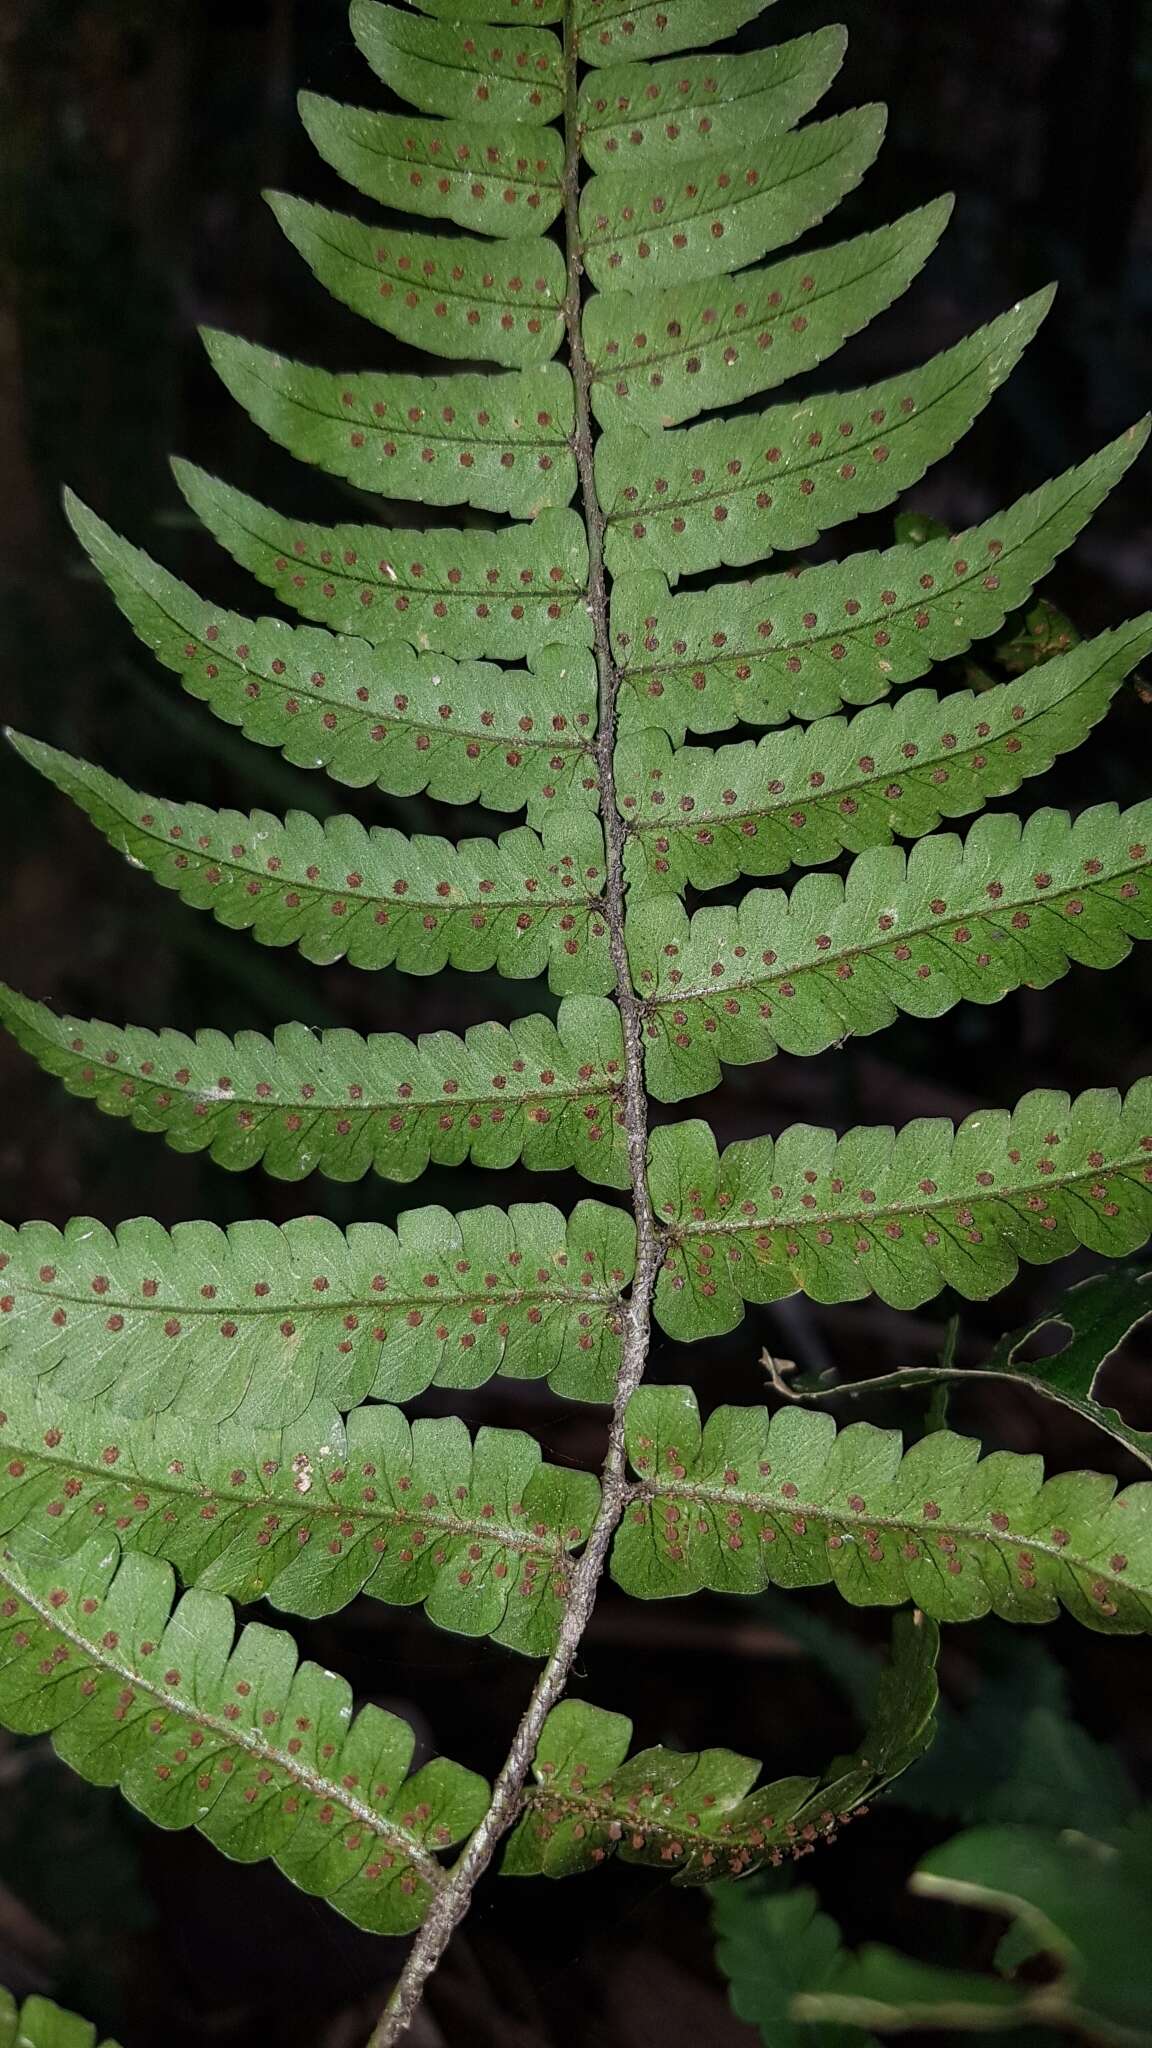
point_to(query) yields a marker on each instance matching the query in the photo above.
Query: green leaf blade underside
(481, 1533)
(515, 77)
(454, 591)
(748, 1501)
(337, 890)
(1013, 905)
(235, 1738)
(255, 1323)
(450, 294)
(385, 714)
(337, 1103)
(678, 220)
(662, 357)
(697, 1812)
(635, 114)
(734, 491)
(38, 2023)
(898, 1214)
(700, 817)
(843, 632)
(464, 171)
(607, 30)
(489, 11)
(501, 444)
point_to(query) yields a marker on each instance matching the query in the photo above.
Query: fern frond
(481, 1533)
(450, 294)
(449, 67)
(899, 1214)
(666, 223)
(237, 1739)
(465, 171)
(605, 29)
(373, 714)
(843, 632)
(1013, 905)
(503, 445)
(335, 1102)
(699, 816)
(257, 1322)
(339, 890)
(1094, 1317)
(750, 1501)
(661, 357)
(38, 2023)
(698, 103)
(697, 1812)
(508, 593)
(736, 490)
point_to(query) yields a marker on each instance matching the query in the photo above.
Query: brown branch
(451, 1904)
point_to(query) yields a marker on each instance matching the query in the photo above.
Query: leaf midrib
(484, 299)
(463, 173)
(479, 64)
(679, 1231)
(415, 431)
(724, 330)
(366, 897)
(383, 1303)
(876, 949)
(774, 79)
(230, 1736)
(829, 794)
(304, 1509)
(855, 631)
(847, 1520)
(702, 166)
(794, 459)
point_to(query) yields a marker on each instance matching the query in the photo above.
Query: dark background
(135, 138)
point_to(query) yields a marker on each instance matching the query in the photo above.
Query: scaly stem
(452, 1902)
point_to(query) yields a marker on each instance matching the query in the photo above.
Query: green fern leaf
(899, 1214)
(748, 1502)
(605, 29)
(699, 817)
(699, 216)
(450, 294)
(459, 68)
(381, 715)
(1015, 904)
(697, 1812)
(1076, 1905)
(258, 1752)
(454, 170)
(662, 357)
(507, 593)
(504, 446)
(308, 1517)
(257, 1322)
(338, 890)
(40, 2024)
(845, 632)
(1094, 1317)
(703, 103)
(493, 11)
(338, 1103)
(769, 1946)
(697, 498)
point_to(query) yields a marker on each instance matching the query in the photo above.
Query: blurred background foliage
(135, 141)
